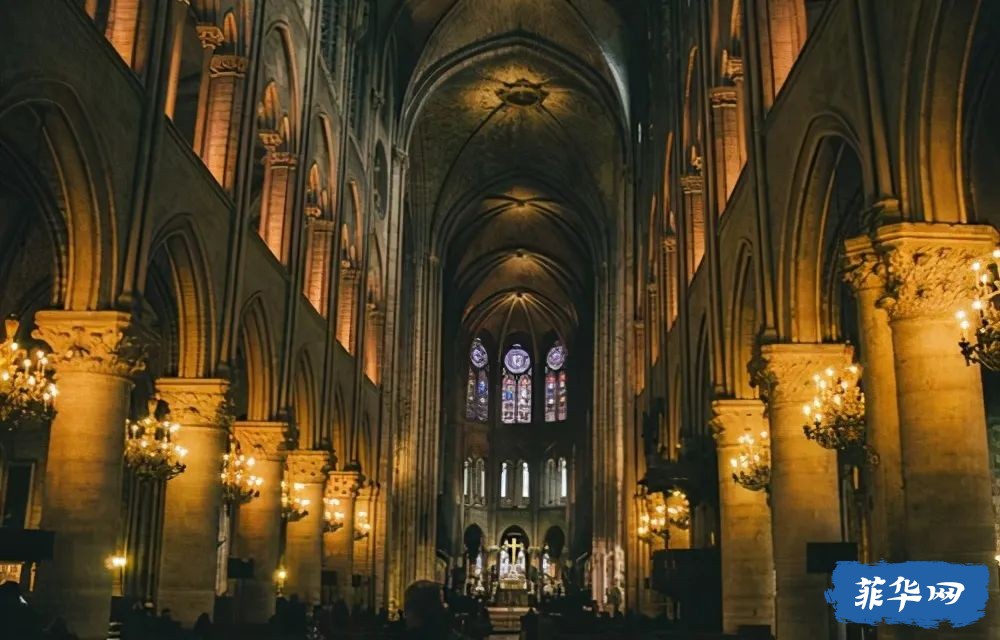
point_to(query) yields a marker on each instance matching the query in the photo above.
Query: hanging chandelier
(678, 509)
(150, 450)
(333, 517)
(239, 485)
(361, 526)
(653, 520)
(984, 345)
(837, 412)
(26, 387)
(752, 465)
(293, 506)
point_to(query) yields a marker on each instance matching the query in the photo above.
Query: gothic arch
(305, 403)
(806, 259)
(339, 436)
(79, 216)
(177, 249)
(260, 360)
(743, 323)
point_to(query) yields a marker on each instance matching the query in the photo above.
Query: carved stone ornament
(262, 440)
(692, 183)
(784, 372)
(308, 466)
(104, 342)
(343, 485)
(734, 417)
(281, 159)
(926, 281)
(210, 35)
(270, 139)
(862, 268)
(723, 96)
(226, 65)
(195, 401)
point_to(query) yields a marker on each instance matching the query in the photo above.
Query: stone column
(275, 200)
(864, 272)
(942, 422)
(346, 296)
(304, 538)
(211, 38)
(693, 186)
(728, 149)
(259, 521)
(193, 499)
(94, 353)
(319, 251)
(362, 556)
(804, 487)
(338, 546)
(745, 526)
(224, 109)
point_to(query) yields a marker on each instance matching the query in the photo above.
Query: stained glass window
(477, 394)
(516, 386)
(555, 384)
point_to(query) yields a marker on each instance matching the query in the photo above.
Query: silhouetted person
(424, 613)
(203, 627)
(18, 619)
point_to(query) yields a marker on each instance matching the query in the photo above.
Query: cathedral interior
(635, 315)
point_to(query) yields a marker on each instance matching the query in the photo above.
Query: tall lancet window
(477, 395)
(555, 384)
(515, 398)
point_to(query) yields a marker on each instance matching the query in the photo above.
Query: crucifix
(515, 548)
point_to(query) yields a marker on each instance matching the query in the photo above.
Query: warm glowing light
(980, 330)
(836, 415)
(26, 387)
(752, 464)
(150, 450)
(239, 486)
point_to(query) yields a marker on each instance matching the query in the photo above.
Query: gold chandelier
(653, 519)
(150, 450)
(837, 412)
(752, 465)
(26, 387)
(333, 517)
(984, 345)
(293, 506)
(362, 528)
(678, 509)
(239, 485)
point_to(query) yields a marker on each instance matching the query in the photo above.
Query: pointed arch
(259, 362)
(305, 403)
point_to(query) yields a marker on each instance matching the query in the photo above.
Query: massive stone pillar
(804, 490)
(693, 186)
(94, 357)
(259, 521)
(338, 545)
(745, 526)
(942, 422)
(304, 538)
(193, 499)
(863, 270)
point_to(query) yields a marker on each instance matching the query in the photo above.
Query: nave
(548, 318)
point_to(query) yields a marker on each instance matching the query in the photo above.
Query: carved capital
(210, 35)
(723, 96)
(862, 268)
(263, 440)
(348, 271)
(343, 485)
(105, 342)
(692, 183)
(376, 315)
(670, 244)
(783, 372)
(400, 155)
(312, 211)
(308, 466)
(228, 65)
(195, 401)
(927, 266)
(732, 418)
(284, 159)
(732, 67)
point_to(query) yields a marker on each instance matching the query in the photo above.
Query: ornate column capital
(723, 96)
(784, 372)
(670, 244)
(732, 67)
(284, 159)
(343, 485)
(270, 138)
(210, 35)
(308, 466)
(228, 65)
(105, 342)
(731, 418)
(195, 401)
(348, 270)
(692, 183)
(400, 155)
(862, 268)
(263, 440)
(927, 266)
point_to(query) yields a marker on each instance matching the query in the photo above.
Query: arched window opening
(555, 384)
(563, 480)
(479, 480)
(466, 471)
(477, 405)
(516, 386)
(525, 483)
(504, 477)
